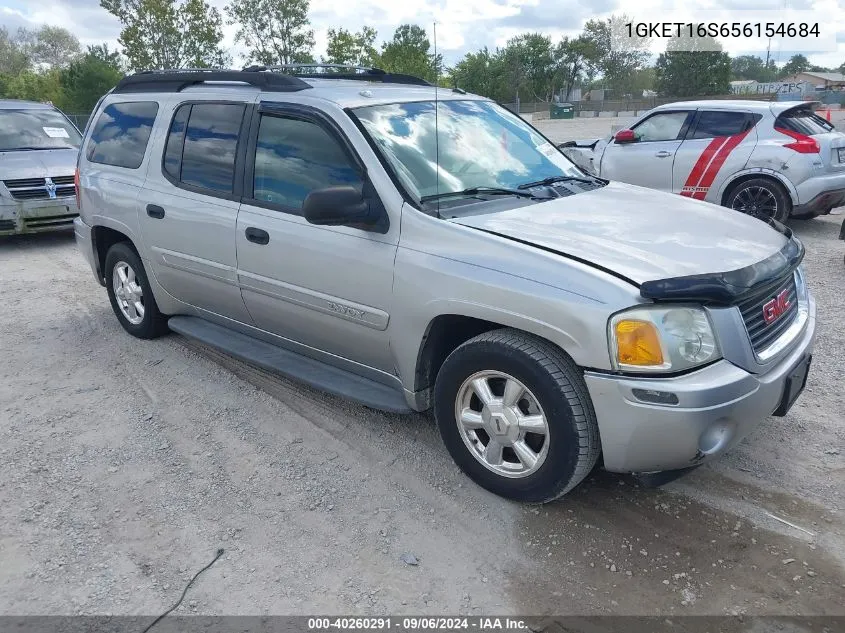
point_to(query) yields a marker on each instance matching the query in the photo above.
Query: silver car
(777, 160)
(416, 248)
(38, 148)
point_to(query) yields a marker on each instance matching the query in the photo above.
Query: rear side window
(202, 144)
(120, 136)
(803, 121)
(713, 123)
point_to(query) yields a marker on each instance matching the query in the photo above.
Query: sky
(462, 25)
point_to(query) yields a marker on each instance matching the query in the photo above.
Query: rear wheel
(515, 415)
(130, 294)
(762, 198)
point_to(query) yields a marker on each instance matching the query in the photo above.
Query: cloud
(462, 25)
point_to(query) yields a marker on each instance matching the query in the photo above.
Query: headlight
(658, 339)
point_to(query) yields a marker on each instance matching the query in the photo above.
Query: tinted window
(36, 129)
(173, 150)
(121, 133)
(294, 157)
(713, 123)
(211, 140)
(664, 126)
(803, 121)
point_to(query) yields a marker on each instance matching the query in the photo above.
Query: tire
(555, 389)
(146, 322)
(762, 198)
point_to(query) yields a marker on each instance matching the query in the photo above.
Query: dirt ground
(125, 464)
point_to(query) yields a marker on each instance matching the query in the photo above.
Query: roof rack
(358, 73)
(177, 79)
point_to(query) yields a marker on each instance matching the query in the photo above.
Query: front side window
(714, 123)
(32, 129)
(293, 157)
(120, 136)
(210, 146)
(479, 144)
(663, 126)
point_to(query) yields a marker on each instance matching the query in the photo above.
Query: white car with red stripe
(775, 159)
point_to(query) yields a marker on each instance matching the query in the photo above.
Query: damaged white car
(772, 159)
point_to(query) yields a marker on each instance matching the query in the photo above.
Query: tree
(408, 52)
(352, 49)
(796, 64)
(169, 33)
(575, 61)
(618, 56)
(54, 46)
(88, 78)
(476, 73)
(275, 31)
(15, 51)
(36, 86)
(693, 66)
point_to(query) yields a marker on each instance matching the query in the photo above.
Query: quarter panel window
(211, 143)
(121, 133)
(293, 157)
(663, 126)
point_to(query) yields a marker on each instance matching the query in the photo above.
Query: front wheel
(762, 198)
(515, 415)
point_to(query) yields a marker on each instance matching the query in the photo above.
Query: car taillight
(76, 187)
(803, 144)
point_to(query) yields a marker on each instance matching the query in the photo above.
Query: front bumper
(37, 216)
(717, 407)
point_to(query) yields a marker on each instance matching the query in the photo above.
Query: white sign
(55, 132)
(776, 87)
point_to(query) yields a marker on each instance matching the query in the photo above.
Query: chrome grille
(762, 334)
(36, 188)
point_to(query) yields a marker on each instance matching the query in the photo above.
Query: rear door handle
(663, 154)
(155, 211)
(257, 236)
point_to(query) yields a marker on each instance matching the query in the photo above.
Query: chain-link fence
(79, 120)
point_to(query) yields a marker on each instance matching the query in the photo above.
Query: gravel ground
(125, 465)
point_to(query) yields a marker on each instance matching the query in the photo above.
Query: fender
(793, 193)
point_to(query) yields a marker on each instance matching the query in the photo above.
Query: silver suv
(38, 148)
(413, 248)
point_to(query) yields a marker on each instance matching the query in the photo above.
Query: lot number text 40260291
(723, 29)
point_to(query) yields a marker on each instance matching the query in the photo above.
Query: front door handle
(155, 211)
(663, 154)
(257, 236)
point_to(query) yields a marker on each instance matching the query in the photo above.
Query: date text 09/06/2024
(422, 623)
(724, 29)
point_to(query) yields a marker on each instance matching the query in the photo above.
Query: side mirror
(625, 136)
(337, 206)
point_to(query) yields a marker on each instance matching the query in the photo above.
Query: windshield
(36, 129)
(481, 145)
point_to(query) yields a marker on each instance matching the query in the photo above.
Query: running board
(292, 365)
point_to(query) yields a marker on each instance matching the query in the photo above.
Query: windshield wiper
(27, 149)
(472, 191)
(553, 179)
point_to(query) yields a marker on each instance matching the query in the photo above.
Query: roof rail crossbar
(178, 79)
(359, 73)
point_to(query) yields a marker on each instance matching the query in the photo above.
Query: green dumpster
(561, 111)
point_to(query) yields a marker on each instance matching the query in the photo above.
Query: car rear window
(33, 129)
(713, 123)
(803, 121)
(120, 136)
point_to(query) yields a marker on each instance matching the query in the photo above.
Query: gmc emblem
(774, 309)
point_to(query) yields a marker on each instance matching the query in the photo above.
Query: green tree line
(49, 64)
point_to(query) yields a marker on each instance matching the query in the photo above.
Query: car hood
(638, 233)
(37, 163)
